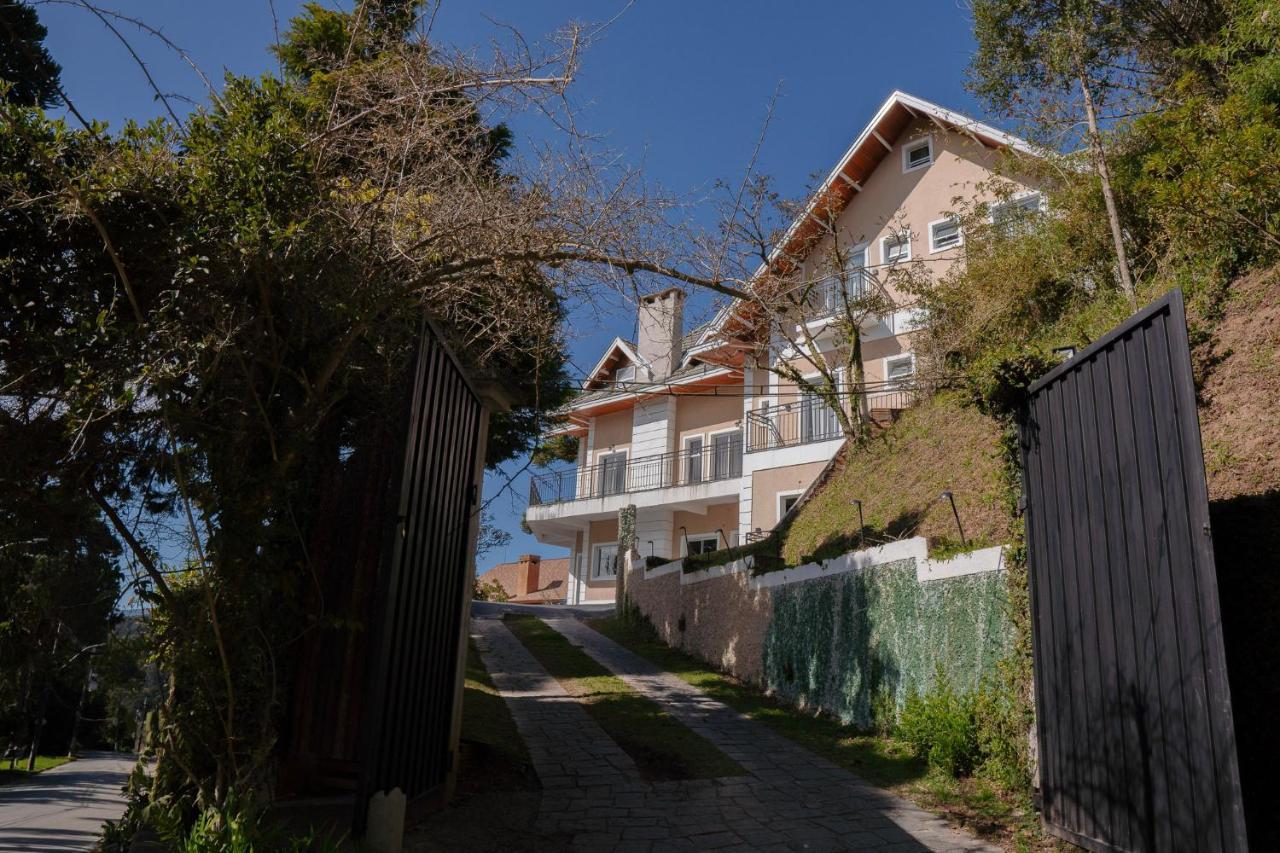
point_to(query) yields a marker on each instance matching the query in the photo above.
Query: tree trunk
(1108, 196)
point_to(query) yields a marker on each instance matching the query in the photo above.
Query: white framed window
(692, 464)
(612, 473)
(1015, 212)
(917, 154)
(895, 248)
(604, 561)
(787, 500)
(899, 368)
(703, 543)
(625, 374)
(944, 234)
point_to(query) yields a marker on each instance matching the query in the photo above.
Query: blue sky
(678, 88)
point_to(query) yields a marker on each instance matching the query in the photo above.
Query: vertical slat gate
(424, 588)
(1137, 746)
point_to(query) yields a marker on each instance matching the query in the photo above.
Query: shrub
(489, 591)
(942, 728)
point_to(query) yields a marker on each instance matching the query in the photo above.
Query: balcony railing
(720, 460)
(810, 419)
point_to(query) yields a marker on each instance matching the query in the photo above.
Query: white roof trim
(618, 344)
(625, 392)
(915, 106)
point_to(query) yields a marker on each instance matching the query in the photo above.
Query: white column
(653, 524)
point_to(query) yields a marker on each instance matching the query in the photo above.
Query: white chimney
(660, 329)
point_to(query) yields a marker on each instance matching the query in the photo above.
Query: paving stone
(790, 798)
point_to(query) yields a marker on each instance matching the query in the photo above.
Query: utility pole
(90, 683)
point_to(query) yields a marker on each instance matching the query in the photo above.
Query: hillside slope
(938, 446)
(1238, 369)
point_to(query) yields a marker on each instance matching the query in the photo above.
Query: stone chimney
(527, 580)
(660, 329)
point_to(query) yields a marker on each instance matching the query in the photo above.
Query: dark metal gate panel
(412, 706)
(1137, 747)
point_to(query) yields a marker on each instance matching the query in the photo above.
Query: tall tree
(1057, 64)
(25, 63)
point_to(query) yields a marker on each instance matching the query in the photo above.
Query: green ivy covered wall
(857, 644)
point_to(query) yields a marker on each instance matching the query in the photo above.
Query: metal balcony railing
(810, 419)
(721, 459)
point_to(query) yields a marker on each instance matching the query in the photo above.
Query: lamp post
(862, 526)
(954, 512)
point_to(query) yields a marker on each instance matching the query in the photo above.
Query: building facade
(694, 429)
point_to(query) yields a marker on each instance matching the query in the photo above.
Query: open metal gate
(1136, 743)
(413, 705)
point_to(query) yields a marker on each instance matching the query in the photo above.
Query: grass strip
(494, 756)
(19, 772)
(663, 748)
(880, 760)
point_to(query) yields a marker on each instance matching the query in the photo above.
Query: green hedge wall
(857, 644)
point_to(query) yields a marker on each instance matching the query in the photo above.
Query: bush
(764, 550)
(489, 591)
(942, 728)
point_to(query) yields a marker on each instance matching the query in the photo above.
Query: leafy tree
(25, 64)
(1056, 62)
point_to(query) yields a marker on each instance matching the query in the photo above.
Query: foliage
(491, 536)
(556, 448)
(998, 379)
(489, 591)
(31, 75)
(765, 552)
(942, 727)
(237, 827)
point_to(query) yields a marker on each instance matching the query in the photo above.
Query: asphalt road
(64, 808)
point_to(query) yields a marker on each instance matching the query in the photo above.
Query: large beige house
(693, 429)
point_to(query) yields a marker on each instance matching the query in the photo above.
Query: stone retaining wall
(845, 636)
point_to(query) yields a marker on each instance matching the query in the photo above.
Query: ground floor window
(605, 562)
(703, 544)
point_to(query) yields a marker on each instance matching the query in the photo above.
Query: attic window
(917, 155)
(625, 374)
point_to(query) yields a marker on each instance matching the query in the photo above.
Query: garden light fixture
(956, 513)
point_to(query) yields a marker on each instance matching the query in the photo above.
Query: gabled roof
(608, 362)
(856, 165)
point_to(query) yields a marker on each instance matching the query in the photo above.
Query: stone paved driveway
(791, 799)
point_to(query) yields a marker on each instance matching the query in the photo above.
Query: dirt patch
(1238, 373)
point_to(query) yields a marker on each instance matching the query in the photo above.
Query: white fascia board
(618, 344)
(637, 394)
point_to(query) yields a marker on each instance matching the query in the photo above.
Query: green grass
(494, 756)
(662, 747)
(19, 771)
(941, 445)
(883, 761)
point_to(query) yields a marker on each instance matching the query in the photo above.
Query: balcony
(811, 420)
(722, 460)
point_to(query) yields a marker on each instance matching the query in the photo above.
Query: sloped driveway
(791, 799)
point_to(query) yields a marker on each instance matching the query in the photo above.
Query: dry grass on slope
(938, 446)
(1239, 374)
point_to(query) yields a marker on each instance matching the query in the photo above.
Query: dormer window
(917, 155)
